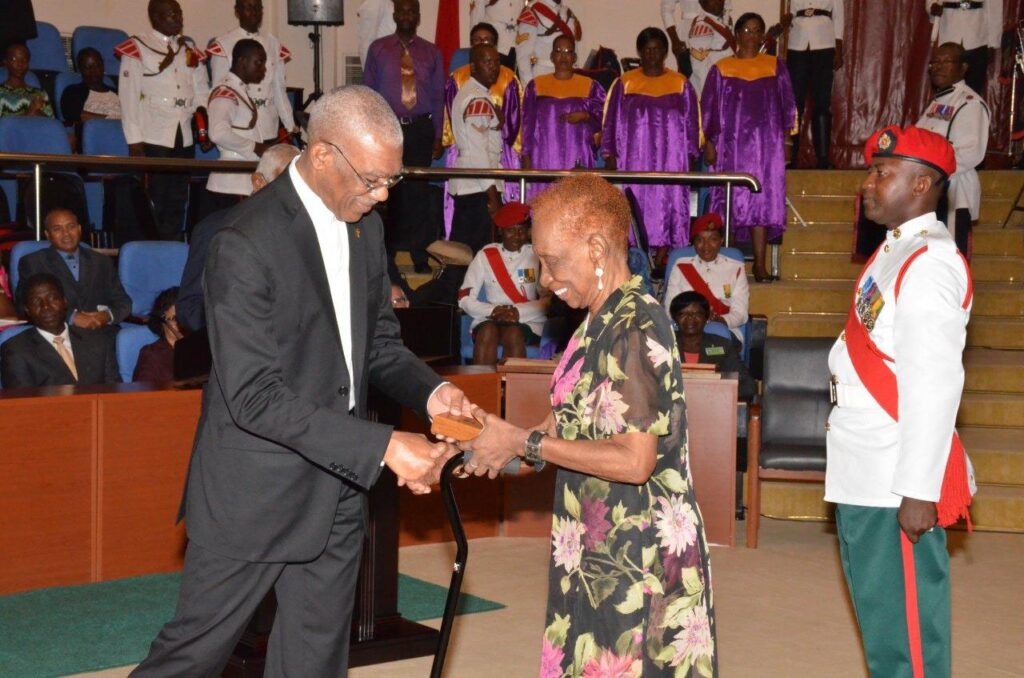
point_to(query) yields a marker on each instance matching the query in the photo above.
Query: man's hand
(136, 150)
(493, 201)
(413, 458)
(936, 9)
(916, 517)
(495, 447)
(437, 150)
(91, 320)
(786, 21)
(678, 47)
(611, 163)
(449, 399)
(837, 58)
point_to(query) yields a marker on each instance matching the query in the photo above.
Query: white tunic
(533, 47)
(477, 131)
(155, 104)
(815, 32)
(502, 14)
(972, 28)
(376, 20)
(707, 45)
(524, 269)
(680, 14)
(270, 95)
(873, 460)
(231, 111)
(726, 278)
(961, 116)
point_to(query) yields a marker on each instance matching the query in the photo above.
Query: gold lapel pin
(359, 231)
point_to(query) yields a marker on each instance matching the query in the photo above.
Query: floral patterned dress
(630, 580)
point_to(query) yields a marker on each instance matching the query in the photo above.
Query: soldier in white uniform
(502, 14)
(678, 16)
(376, 20)
(269, 94)
(539, 24)
(896, 468)
(162, 84)
(720, 280)
(959, 114)
(814, 53)
(975, 24)
(511, 313)
(234, 120)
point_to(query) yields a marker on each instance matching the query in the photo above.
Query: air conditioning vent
(353, 70)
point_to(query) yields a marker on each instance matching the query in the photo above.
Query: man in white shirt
(269, 94)
(234, 121)
(960, 115)
(500, 291)
(814, 53)
(376, 20)
(709, 39)
(476, 125)
(503, 15)
(896, 469)
(539, 24)
(678, 16)
(975, 24)
(162, 84)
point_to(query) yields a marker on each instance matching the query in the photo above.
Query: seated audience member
(7, 309)
(512, 315)
(691, 311)
(721, 280)
(476, 127)
(55, 354)
(190, 296)
(91, 99)
(16, 97)
(95, 297)
(156, 360)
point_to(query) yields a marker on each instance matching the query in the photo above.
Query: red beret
(913, 144)
(705, 222)
(511, 214)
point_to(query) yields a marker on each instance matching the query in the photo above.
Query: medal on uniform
(869, 303)
(727, 289)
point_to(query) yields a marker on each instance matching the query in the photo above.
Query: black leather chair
(786, 432)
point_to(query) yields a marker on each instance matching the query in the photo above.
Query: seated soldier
(690, 311)
(720, 280)
(55, 354)
(512, 315)
(95, 297)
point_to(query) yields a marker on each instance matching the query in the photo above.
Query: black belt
(965, 4)
(413, 119)
(813, 12)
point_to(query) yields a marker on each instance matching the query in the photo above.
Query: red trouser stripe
(910, 596)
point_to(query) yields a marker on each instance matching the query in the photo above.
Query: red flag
(447, 35)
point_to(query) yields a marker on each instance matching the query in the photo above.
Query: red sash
(514, 294)
(869, 363)
(730, 40)
(542, 10)
(699, 285)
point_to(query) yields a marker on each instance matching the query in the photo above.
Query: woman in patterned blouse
(17, 97)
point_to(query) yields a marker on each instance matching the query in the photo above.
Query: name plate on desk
(527, 366)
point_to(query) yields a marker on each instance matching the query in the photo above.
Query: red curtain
(446, 37)
(884, 79)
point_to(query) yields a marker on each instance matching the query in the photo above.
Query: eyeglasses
(384, 182)
(563, 50)
(169, 318)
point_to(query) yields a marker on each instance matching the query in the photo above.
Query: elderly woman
(629, 584)
(156, 361)
(690, 311)
(748, 110)
(16, 96)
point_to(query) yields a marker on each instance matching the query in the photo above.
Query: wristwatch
(531, 449)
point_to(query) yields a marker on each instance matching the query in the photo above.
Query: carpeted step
(996, 332)
(996, 268)
(990, 239)
(1000, 183)
(819, 237)
(823, 182)
(817, 208)
(997, 454)
(818, 266)
(998, 508)
(994, 370)
(991, 409)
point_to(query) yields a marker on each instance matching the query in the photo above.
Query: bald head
(353, 111)
(272, 163)
(484, 64)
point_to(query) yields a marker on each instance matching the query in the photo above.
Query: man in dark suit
(54, 354)
(94, 293)
(299, 315)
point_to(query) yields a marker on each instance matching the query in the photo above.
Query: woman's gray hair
(275, 159)
(353, 110)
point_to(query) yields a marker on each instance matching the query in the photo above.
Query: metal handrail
(108, 163)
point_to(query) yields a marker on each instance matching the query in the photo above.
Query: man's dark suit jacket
(97, 282)
(28, 360)
(189, 305)
(276, 449)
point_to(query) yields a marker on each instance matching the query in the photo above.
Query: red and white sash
(700, 286)
(515, 294)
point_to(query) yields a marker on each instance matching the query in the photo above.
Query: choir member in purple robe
(652, 123)
(561, 116)
(748, 110)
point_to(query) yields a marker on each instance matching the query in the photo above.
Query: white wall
(612, 23)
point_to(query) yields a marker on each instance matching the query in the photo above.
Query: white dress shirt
(815, 32)
(270, 94)
(477, 130)
(727, 280)
(66, 334)
(972, 28)
(524, 270)
(231, 109)
(376, 20)
(961, 116)
(332, 235)
(873, 460)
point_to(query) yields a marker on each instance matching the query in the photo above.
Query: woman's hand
(36, 106)
(495, 447)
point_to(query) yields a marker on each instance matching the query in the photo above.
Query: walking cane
(458, 567)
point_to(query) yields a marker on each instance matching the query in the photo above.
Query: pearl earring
(599, 272)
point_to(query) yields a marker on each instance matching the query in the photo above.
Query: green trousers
(873, 562)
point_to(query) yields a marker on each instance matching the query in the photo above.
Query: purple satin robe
(652, 124)
(748, 121)
(551, 143)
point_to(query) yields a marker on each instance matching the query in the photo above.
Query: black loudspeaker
(316, 12)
